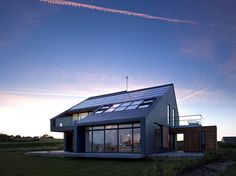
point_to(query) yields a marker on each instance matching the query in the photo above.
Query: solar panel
(127, 96)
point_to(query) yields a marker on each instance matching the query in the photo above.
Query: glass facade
(113, 138)
(88, 141)
(111, 141)
(98, 141)
(137, 139)
(125, 140)
(80, 115)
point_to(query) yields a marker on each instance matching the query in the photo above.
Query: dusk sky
(54, 54)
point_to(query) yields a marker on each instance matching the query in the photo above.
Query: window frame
(168, 114)
(117, 127)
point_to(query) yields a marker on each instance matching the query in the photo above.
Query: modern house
(143, 121)
(229, 139)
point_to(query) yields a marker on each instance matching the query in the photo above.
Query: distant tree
(18, 136)
(35, 138)
(4, 138)
(45, 136)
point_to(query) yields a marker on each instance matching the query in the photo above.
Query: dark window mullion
(92, 140)
(132, 139)
(117, 150)
(104, 141)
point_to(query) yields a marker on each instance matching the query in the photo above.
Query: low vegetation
(13, 162)
(230, 171)
(21, 164)
(224, 153)
(18, 138)
(19, 143)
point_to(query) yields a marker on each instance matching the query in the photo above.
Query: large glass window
(80, 115)
(113, 138)
(125, 140)
(111, 141)
(98, 141)
(98, 127)
(111, 126)
(137, 139)
(88, 141)
(128, 125)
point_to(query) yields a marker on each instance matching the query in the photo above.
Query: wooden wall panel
(193, 138)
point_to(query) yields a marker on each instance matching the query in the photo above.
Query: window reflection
(125, 106)
(137, 139)
(113, 138)
(88, 141)
(125, 140)
(111, 141)
(98, 141)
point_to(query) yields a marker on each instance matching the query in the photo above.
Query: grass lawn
(13, 162)
(17, 164)
(231, 171)
(45, 144)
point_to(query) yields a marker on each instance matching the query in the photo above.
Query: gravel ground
(214, 169)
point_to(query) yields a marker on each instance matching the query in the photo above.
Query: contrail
(117, 11)
(38, 93)
(193, 94)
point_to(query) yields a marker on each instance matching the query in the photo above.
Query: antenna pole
(127, 79)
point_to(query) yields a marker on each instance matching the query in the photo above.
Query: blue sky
(54, 55)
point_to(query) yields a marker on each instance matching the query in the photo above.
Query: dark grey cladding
(122, 97)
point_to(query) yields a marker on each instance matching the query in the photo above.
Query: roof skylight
(139, 104)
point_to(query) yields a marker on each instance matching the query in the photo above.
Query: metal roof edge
(122, 92)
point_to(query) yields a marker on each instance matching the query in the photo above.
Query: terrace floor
(178, 154)
(62, 153)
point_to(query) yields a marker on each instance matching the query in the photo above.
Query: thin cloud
(117, 11)
(38, 93)
(199, 48)
(194, 94)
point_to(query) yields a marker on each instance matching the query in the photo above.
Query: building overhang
(113, 117)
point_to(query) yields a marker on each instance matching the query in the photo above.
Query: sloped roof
(123, 96)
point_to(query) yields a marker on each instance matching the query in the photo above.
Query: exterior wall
(198, 139)
(64, 121)
(165, 138)
(68, 141)
(159, 115)
(80, 139)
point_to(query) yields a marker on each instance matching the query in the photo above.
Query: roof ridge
(105, 95)
(154, 87)
(122, 92)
